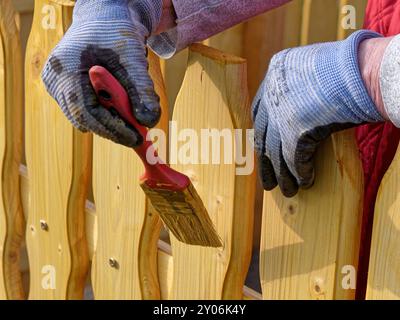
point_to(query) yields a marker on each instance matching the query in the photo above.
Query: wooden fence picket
(59, 167)
(309, 240)
(11, 215)
(214, 96)
(384, 265)
(125, 260)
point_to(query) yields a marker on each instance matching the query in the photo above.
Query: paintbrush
(171, 193)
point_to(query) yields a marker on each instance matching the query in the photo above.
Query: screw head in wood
(113, 263)
(44, 226)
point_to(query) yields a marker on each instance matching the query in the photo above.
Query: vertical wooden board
(128, 227)
(308, 239)
(23, 5)
(3, 220)
(59, 166)
(214, 96)
(264, 36)
(173, 72)
(165, 271)
(384, 264)
(319, 23)
(268, 34)
(11, 214)
(300, 257)
(230, 41)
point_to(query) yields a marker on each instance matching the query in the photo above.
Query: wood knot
(219, 200)
(292, 209)
(37, 65)
(37, 61)
(44, 226)
(318, 286)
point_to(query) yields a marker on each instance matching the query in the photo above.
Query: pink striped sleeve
(199, 19)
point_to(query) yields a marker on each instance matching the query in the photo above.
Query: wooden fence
(72, 215)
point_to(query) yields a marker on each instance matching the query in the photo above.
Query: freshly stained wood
(59, 166)
(384, 264)
(11, 214)
(214, 96)
(125, 262)
(309, 240)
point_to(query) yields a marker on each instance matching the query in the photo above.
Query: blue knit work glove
(112, 34)
(308, 93)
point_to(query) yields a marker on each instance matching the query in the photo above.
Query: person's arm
(114, 34)
(168, 17)
(370, 55)
(196, 20)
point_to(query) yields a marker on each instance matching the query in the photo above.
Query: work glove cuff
(146, 12)
(338, 72)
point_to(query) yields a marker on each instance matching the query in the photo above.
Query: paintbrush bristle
(185, 215)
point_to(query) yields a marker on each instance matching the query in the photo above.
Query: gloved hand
(308, 93)
(110, 33)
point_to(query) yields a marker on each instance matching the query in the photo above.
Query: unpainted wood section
(214, 96)
(58, 160)
(230, 41)
(384, 264)
(11, 214)
(351, 186)
(347, 149)
(308, 239)
(125, 261)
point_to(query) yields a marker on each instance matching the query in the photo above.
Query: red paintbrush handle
(112, 94)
